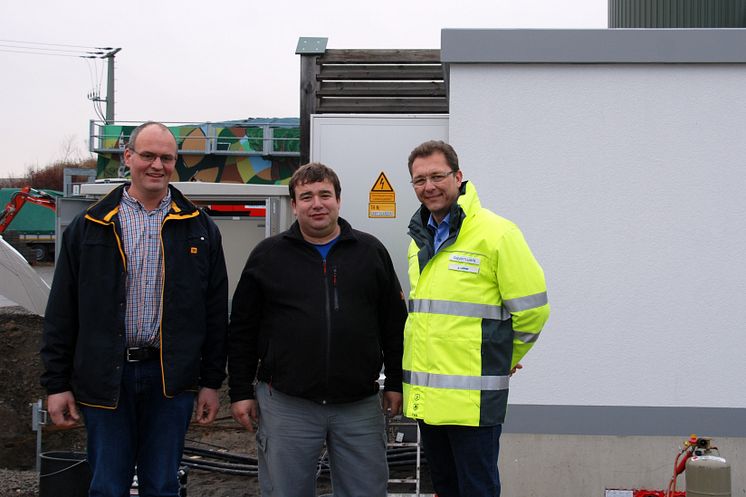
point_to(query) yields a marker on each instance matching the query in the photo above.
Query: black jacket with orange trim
(84, 335)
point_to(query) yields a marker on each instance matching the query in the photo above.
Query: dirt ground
(20, 367)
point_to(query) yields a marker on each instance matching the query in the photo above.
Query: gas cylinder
(707, 474)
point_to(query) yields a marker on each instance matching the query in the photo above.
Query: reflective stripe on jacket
(476, 307)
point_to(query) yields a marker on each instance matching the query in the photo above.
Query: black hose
(239, 464)
(219, 454)
(212, 468)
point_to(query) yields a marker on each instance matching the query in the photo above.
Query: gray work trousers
(291, 435)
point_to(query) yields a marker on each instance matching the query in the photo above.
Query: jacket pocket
(197, 252)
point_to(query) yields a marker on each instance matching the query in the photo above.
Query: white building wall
(628, 182)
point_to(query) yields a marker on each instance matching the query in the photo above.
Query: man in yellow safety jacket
(477, 304)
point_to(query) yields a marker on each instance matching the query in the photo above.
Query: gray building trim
(622, 420)
(593, 46)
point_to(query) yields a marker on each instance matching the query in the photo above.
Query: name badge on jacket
(464, 268)
(465, 263)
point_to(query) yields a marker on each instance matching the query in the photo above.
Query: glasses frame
(169, 159)
(431, 178)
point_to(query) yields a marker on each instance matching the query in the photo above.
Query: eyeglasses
(150, 157)
(420, 181)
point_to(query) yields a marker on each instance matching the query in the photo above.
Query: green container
(677, 13)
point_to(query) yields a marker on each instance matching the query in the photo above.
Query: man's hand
(246, 413)
(392, 402)
(62, 409)
(516, 368)
(207, 406)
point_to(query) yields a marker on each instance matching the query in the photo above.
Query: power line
(40, 48)
(49, 54)
(43, 49)
(54, 44)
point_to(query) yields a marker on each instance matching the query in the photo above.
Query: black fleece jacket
(317, 329)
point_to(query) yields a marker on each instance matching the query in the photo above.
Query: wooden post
(309, 70)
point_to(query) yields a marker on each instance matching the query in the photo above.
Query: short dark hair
(136, 132)
(429, 148)
(314, 172)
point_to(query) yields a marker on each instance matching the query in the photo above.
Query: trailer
(29, 228)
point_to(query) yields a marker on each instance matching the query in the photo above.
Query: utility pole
(110, 85)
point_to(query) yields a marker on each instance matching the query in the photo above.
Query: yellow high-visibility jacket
(475, 309)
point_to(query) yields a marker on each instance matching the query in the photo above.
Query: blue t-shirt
(324, 249)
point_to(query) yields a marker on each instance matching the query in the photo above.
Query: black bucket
(64, 474)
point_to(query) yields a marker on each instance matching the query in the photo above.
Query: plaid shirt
(141, 232)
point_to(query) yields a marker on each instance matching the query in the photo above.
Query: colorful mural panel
(259, 151)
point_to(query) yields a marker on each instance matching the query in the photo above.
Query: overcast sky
(207, 61)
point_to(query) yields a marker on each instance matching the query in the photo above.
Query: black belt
(137, 354)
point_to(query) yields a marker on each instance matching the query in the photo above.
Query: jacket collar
(468, 200)
(108, 206)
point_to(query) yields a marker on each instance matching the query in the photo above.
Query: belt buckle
(128, 356)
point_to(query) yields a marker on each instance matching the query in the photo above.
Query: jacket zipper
(328, 327)
(334, 285)
(126, 269)
(163, 291)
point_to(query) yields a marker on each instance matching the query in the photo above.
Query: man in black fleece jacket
(317, 312)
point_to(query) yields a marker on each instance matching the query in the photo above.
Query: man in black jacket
(136, 323)
(319, 310)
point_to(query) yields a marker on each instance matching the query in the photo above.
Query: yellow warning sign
(382, 199)
(382, 184)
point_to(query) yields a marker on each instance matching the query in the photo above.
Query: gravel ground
(18, 483)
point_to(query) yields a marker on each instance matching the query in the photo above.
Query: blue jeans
(292, 432)
(462, 459)
(146, 429)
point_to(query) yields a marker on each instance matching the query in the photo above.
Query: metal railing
(266, 137)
